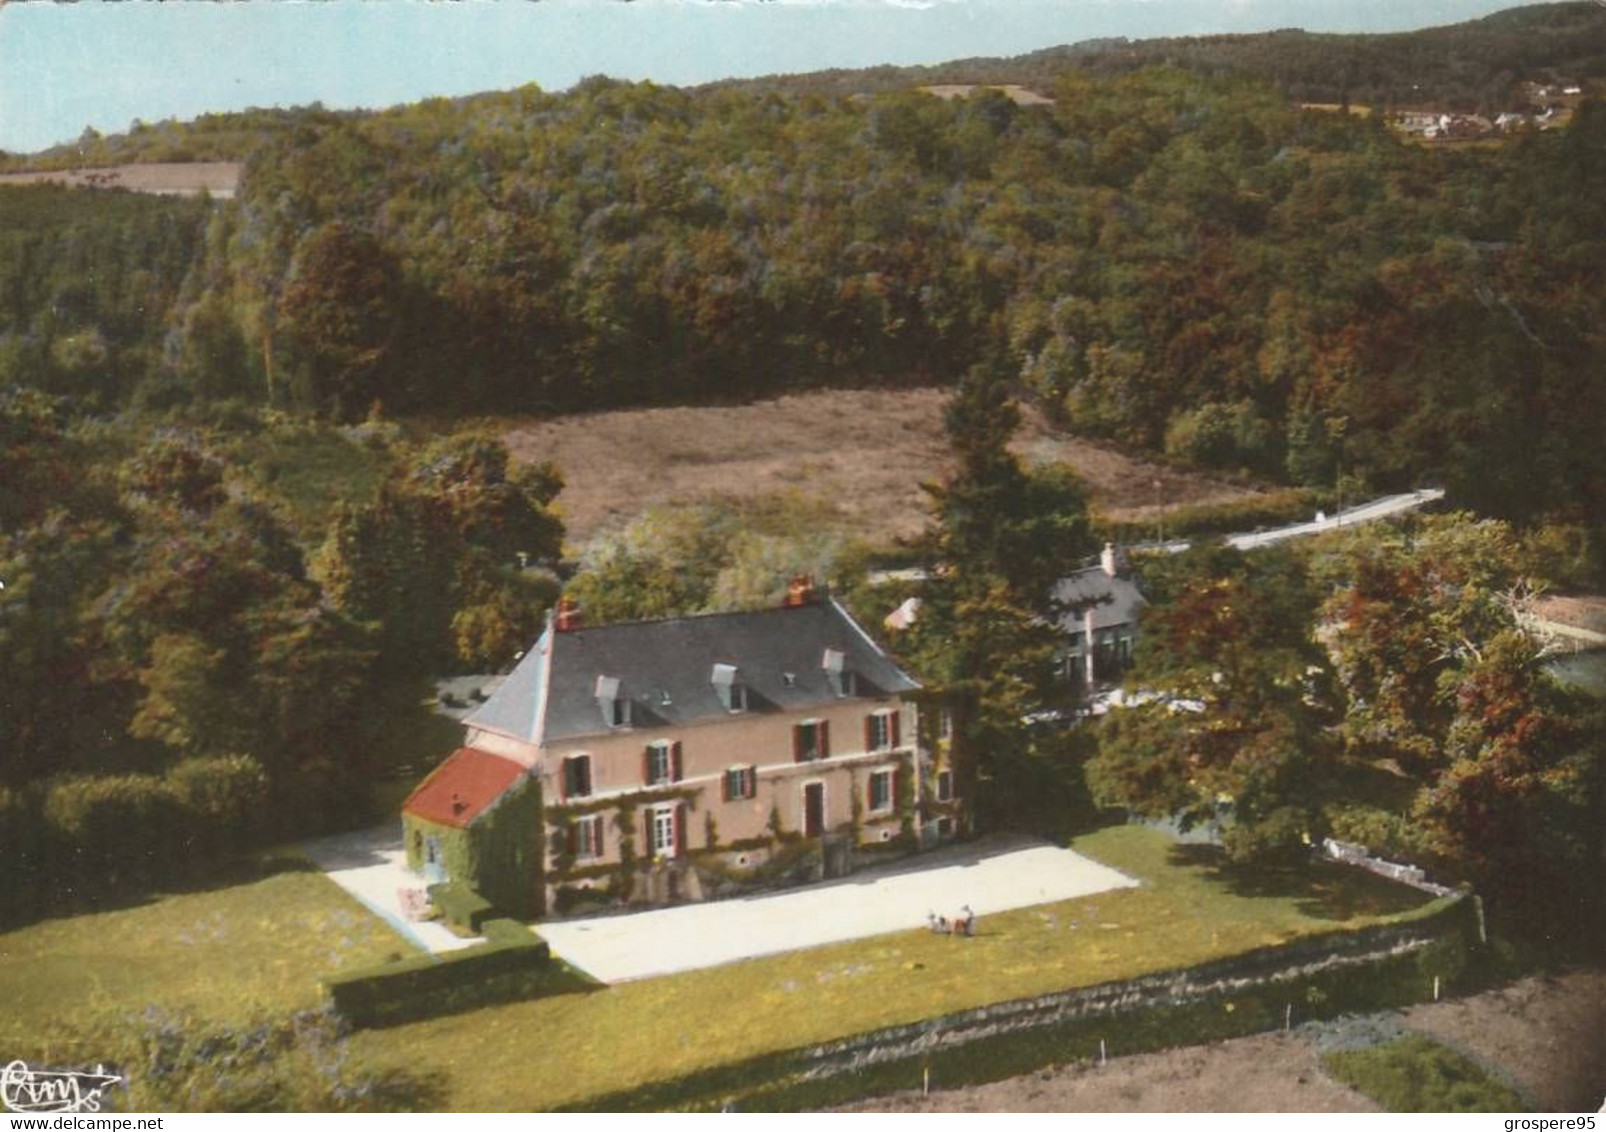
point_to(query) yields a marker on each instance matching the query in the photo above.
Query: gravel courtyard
(995, 875)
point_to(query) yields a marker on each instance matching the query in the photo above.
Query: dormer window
(614, 703)
(837, 673)
(729, 688)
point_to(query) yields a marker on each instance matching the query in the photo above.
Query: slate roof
(666, 670)
(1114, 601)
(462, 787)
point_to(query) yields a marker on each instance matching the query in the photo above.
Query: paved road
(1377, 509)
(993, 875)
(371, 864)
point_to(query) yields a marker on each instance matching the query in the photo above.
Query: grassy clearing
(313, 469)
(228, 955)
(561, 1051)
(816, 445)
(1417, 1074)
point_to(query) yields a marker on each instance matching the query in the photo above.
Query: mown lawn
(258, 949)
(560, 1051)
(227, 956)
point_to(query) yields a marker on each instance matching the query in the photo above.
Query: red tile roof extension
(463, 787)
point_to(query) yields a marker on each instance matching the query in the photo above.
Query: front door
(434, 861)
(813, 809)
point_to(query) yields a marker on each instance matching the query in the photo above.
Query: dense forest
(1178, 263)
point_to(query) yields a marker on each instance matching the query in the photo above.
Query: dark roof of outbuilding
(1114, 601)
(666, 670)
(462, 787)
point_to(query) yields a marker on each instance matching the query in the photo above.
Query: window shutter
(675, 772)
(574, 838)
(646, 765)
(892, 789)
(797, 742)
(823, 731)
(725, 793)
(646, 846)
(599, 836)
(680, 830)
(869, 732)
(894, 726)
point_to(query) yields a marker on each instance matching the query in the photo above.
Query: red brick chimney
(800, 591)
(568, 619)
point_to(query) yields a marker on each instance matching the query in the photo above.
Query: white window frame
(813, 726)
(887, 775)
(591, 783)
(945, 724)
(660, 748)
(664, 817)
(588, 830)
(945, 786)
(881, 730)
(748, 779)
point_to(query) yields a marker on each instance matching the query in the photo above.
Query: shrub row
(512, 964)
(1260, 995)
(77, 837)
(1234, 517)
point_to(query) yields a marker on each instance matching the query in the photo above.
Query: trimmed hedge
(512, 964)
(461, 906)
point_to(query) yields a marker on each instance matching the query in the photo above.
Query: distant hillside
(1473, 66)
(1469, 66)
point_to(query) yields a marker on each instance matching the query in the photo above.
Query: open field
(228, 955)
(1019, 95)
(865, 451)
(219, 178)
(563, 1050)
(1583, 611)
(1547, 1035)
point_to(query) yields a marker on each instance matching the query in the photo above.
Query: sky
(103, 64)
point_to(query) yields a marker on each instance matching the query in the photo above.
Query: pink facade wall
(707, 750)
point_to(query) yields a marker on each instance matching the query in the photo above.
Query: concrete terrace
(993, 875)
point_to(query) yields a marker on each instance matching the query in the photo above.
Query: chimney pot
(1107, 559)
(800, 591)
